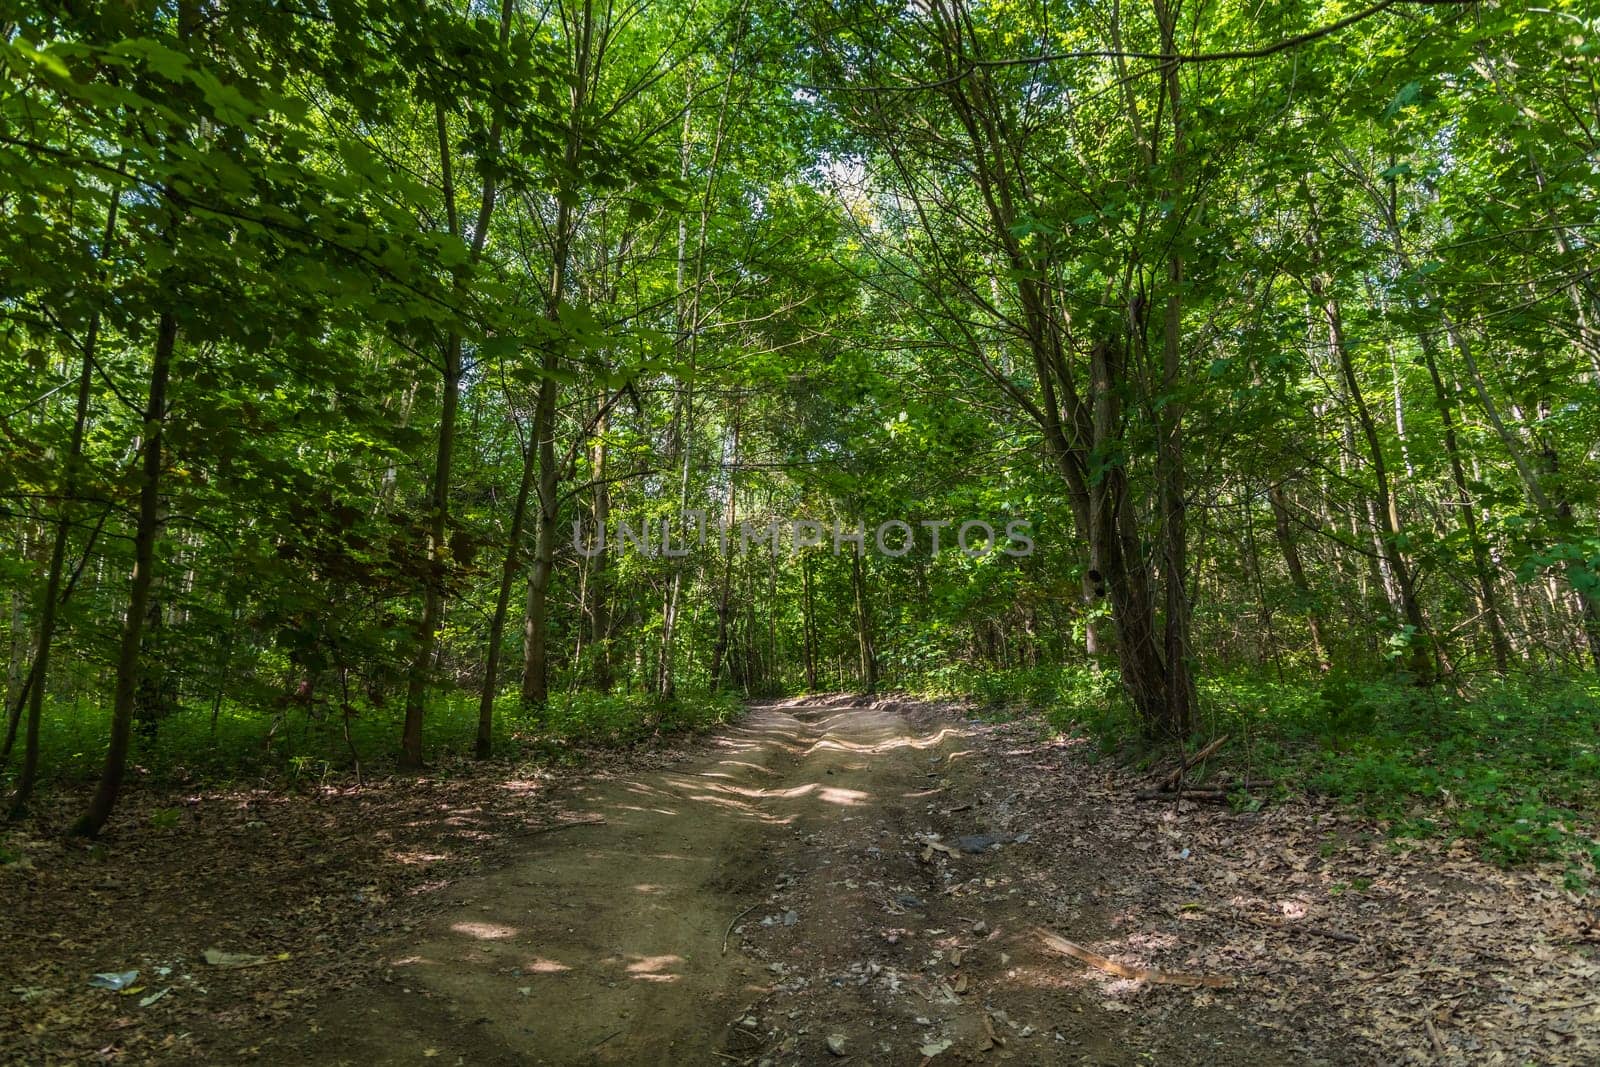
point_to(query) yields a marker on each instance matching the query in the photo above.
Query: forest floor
(833, 880)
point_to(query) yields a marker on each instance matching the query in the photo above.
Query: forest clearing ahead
(885, 880)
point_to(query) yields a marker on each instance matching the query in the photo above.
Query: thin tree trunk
(725, 586)
(439, 494)
(39, 674)
(509, 570)
(1297, 574)
(1422, 658)
(1171, 475)
(599, 587)
(808, 623)
(1483, 576)
(535, 638)
(146, 530)
(868, 652)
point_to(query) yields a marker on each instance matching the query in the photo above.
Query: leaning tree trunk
(1423, 656)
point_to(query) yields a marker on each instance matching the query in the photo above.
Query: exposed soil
(799, 839)
(840, 879)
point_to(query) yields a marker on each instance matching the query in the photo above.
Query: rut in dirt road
(797, 841)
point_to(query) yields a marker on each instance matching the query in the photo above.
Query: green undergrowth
(299, 747)
(1512, 765)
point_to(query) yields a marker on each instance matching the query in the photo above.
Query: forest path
(604, 944)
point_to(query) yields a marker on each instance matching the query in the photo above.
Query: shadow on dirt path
(798, 840)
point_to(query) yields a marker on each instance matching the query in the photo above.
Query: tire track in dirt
(603, 944)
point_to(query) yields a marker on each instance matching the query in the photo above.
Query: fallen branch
(1170, 782)
(1324, 931)
(1310, 928)
(553, 827)
(734, 922)
(1199, 796)
(1125, 970)
(1433, 1037)
(1202, 792)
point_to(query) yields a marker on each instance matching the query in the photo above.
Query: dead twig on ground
(1170, 782)
(1125, 970)
(734, 922)
(553, 827)
(1433, 1037)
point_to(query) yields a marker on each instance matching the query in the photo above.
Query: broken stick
(1171, 781)
(734, 922)
(552, 827)
(1126, 970)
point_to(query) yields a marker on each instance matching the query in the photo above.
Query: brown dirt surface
(832, 880)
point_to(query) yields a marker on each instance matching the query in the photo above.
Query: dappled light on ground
(540, 965)
(485, 931)
(862, 874)
(654, 968)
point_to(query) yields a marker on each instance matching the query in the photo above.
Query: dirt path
(881, 871)
(604, 944)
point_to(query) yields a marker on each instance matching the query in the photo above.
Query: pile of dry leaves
(1421, 948)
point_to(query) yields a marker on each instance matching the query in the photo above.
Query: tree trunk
(535, 635)
(439, 491)
(808, 624)
(39, 675)
(509, 570)
(146, 530)
(1297, 574)
(868, 653)
(1483, 575)
(1422, 656)
(599, 587)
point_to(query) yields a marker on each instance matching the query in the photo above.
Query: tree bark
(39, 674)
(146, 530)
(535, 636)
(1422, 657)
(1297, 574)
(864, 637)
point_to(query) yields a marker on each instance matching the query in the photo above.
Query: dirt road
(798, 839)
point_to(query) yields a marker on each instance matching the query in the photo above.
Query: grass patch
(297, 746)
(1510, 766)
